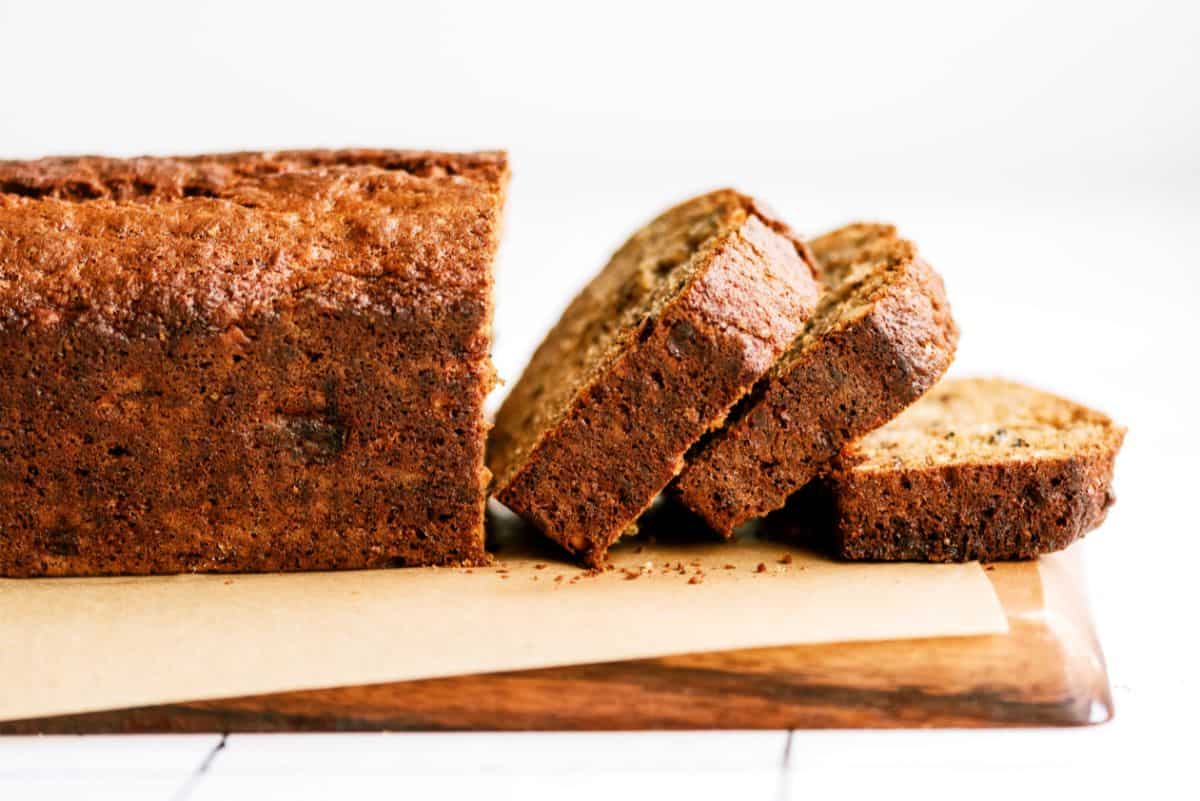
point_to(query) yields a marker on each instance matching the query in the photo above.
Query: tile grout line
(785, 766)
(185, 790)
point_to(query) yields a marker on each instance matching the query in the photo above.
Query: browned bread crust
(650, 356)
(977, 469)
(881, 336)
(245, 362)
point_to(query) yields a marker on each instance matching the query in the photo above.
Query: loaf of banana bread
(245, 362)
(881, 336)
(649, 357)
(977, 469)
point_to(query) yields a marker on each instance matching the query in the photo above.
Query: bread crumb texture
(881, 336)
(648, 357)
(978, 469)
(245, 362)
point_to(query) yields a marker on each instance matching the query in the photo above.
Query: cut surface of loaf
(648, 357)
(881, 336)
(245, 362)
(977, 469)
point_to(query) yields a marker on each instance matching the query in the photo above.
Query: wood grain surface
(1048, 670)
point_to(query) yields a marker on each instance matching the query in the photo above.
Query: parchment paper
(78, 645)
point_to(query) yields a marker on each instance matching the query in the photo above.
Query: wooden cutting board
(1048, 670)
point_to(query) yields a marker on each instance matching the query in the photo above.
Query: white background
(1045, 156)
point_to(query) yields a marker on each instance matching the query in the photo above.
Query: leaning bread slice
(651, 355)
(881, 336)
(978, 469)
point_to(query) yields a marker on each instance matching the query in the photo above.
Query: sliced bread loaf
(647, 358)
(978, 469)
(881, 336)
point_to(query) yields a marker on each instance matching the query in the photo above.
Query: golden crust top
(131, 243)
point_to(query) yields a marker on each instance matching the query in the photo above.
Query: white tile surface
(103, 755)
(500, 753)
(953, 764)
(527, 766)
(105, 788)
(139, 767)
(607, 785)
(1021, 749)
(926, 764)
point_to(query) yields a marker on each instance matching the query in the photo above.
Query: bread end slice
(981, 469)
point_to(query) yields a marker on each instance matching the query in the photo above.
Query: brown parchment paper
(80, 645)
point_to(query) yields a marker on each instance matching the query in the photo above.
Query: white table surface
(1043, 156)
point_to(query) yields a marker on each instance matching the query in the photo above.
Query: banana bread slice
(245, 362)
(977, 469)
(881, 336)
(646, 359)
